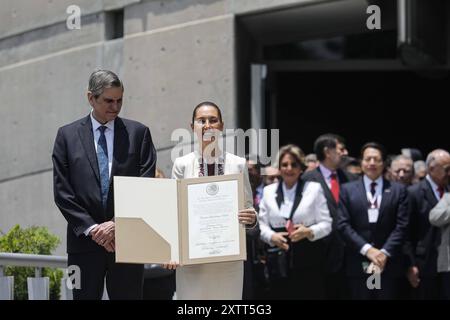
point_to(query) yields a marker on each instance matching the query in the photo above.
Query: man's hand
(110, 246)
(279, 239)
(301, 232)
(377, 257)
(103, 234)
(373, 268)
(413, 276)
(247, 216)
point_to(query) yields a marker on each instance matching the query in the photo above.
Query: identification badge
(373, 215)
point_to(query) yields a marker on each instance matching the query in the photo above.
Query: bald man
(424, 239)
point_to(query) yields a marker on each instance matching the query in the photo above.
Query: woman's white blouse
(312, 211)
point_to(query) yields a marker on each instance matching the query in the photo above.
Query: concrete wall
(174, 55)
(19, 16)
(41, 96)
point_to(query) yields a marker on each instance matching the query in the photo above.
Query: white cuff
(86, 233)
(269, 238)
(386, 253)
(316, 233)
(365, 248)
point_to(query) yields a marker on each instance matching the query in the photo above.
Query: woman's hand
(247, 216)
(171, 265)
(301, 232)
(279, 239)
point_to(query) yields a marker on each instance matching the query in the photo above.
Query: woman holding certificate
(223, 280)
(293, 217)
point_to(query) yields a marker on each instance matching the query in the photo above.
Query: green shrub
(33, 240)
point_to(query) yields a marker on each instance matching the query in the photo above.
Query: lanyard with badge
(374, 201)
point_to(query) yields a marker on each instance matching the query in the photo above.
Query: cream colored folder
(152, 222)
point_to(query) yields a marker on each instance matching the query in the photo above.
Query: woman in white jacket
(293, 218)
(223, 280)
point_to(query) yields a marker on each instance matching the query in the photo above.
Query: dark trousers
(433, 288)
(161, 288)
(336, 286)
(302, 284)
(123, 281)
(428, 289)
(247, 292)
(406, 290)
(445, 285)
(389, 288)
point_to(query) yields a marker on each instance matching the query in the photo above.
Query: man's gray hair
(311, 157)
(434, 155)
(419, 165)
(402, 157)
(101, 80)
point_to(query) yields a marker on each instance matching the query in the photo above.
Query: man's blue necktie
(103, 165)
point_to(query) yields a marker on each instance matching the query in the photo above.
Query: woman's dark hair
(204, 104)
(374, 145)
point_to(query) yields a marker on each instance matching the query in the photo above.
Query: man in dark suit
(253, 272)
(87, 154)
(373, 219)
(329, 152)
(424, 239)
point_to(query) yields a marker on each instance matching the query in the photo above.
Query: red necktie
(334, 187)
(441, 192)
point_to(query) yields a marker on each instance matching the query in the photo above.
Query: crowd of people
(330, 223)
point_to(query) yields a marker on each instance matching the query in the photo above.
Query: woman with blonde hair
(293, 218)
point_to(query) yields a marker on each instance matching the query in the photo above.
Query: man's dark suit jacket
(389, 232)
(335, 244)
(76, 175)
(423, 239)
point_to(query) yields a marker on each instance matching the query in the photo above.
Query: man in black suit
(87, 154)
(423, 238)
(253, 272)
(329, 152)
(373, 219)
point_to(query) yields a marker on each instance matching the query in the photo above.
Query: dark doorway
(326, 72)
(396, 108)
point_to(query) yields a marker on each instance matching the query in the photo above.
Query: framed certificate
(190, 221)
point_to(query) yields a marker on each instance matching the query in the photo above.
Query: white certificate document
(213, 219)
